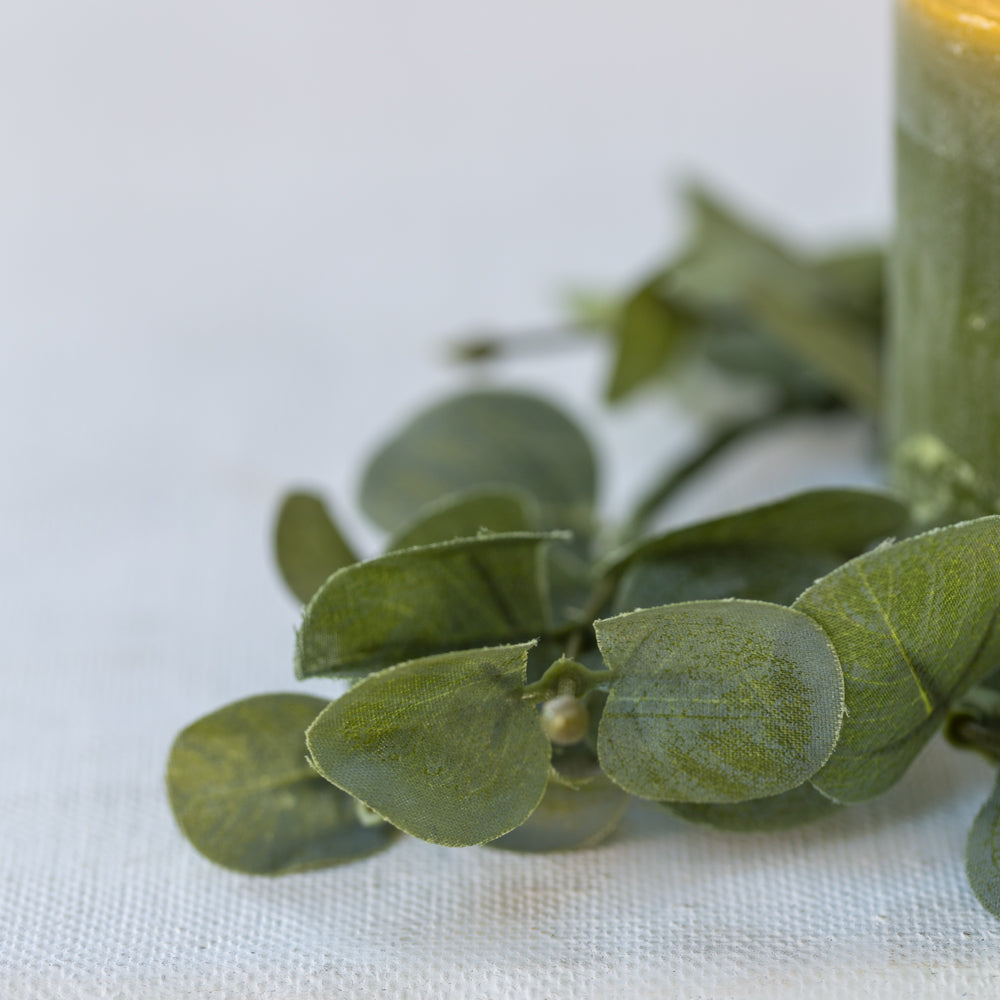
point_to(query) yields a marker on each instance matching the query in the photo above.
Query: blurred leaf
(982, 854)
(444, 747)
(914, 625)
(649, 333)
(591, 311)
(464, 515)
(717, 701)
(243, 794)
(308, 544)
(479, 440)
(733, 266)
(403, 605)
(777, 812)
(974, 722)
(856, 282)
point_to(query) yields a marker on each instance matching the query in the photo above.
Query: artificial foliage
(517, 669)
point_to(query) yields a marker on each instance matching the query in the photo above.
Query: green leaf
(649, 334)
(856, 282)
(734, 266)
(479, 440)
(717, 701)
(569, 817)
(974, 722)
(914, 625)
(465, 515)
(444, 747)
(982, 854)
(243, 794)
(308, 545)
(404, 605)
(754, 572)
(769, 553)
(777, 812)
(839, 522)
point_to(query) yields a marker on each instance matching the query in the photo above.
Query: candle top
(975, 21)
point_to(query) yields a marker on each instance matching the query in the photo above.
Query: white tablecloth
(232, 238)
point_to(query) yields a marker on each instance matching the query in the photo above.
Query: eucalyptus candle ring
(944, 370)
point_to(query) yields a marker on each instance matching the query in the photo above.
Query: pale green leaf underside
(982, 853)
(417, 602)
(243, 794)
(484, 439)
(308, 544)
(796, 807)
(914, 625)
(465, 515)
(831, 521)
(569, 818)
(717, 701)
(444, 747)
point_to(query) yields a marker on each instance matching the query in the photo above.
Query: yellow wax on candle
(976, 21)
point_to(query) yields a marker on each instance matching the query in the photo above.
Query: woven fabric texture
(138, 595)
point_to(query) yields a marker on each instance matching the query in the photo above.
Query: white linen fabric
(138, 595)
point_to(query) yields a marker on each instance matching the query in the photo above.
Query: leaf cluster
(806, 328)
(513, 681)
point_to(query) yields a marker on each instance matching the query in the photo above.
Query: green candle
(944, 385)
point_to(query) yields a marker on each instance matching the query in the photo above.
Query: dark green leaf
(777, 812)
(243, 794)
(570, 817)
(982, 854)
(974, 722)
(754, 572)
(717, 701)
(914, 625)
(648, 335)
(465, 515)
(479, 440)
(839, 522)
(462, 594)
(770, 553)
(855, 280)
(444, 748)
(308, 545)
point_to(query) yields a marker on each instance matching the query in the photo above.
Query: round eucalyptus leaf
(466, 515)
(444, 747)
(717, 701)
(464, 594)
(244, 795)
(982, 854)
(915, 626)
(484, 439)
(796, 807)
(308, 544)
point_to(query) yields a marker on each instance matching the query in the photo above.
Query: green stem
(542, 340)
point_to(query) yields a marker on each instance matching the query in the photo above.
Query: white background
(234, 238)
